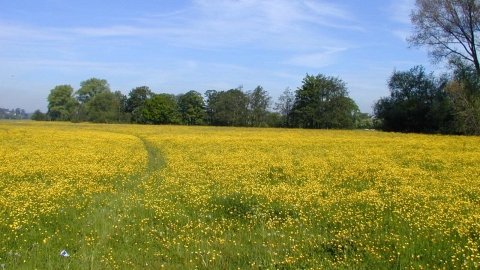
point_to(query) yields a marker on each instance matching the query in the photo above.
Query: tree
(323, 102)
(343, 113)
(417, 103)
(61, 104)
(364, 121)
(192, 108)
(161, 109)
(211, 104)
(90, 88)
(39, 116)
(135, 102)
(464, 89)
(231, 109)
(274, 119)
(123, 115)
(284, 106)
(449, 28)
(103, 108)
(227, 108)
(258, 104)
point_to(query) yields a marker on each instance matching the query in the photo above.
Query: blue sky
(177, 46)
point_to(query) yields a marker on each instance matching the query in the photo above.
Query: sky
(177, 46)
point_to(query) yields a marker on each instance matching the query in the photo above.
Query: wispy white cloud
(292, 26)
(401, 10)
(278, 24)
(14, 32)
(401, 33)
(328, 9)
(316, 60)
(113, 31)
(66, 68)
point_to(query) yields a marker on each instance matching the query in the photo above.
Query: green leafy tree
(274, 119)
(323, 102)
(448, 28)
(135, 102)
(227, 108)
(417, 103)
(161, 109)
(123, 115)
(88, 90)
(464, 90)
(343, 112)
(211, 104)
(192, 108)
(61, 104)
(364, 121)
(232, 108)
(258, 103)
(39, 116)
(104, 108)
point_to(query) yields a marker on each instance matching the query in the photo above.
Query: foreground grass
(140, 197)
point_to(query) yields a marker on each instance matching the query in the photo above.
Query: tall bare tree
(449, 28)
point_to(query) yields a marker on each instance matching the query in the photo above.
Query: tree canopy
(161, 109)
(417, 103)
(90, 88)
(258, 103)
(464, 90)
(136, 101)
(192, 108)
(323, 102)
(61, 104)
(104, 108)
(448, 28)
(227, 108)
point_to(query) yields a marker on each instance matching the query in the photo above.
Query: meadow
(177, 197)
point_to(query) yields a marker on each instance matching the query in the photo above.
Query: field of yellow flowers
(175, 197)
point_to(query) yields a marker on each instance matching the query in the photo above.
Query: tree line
(321, 102)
